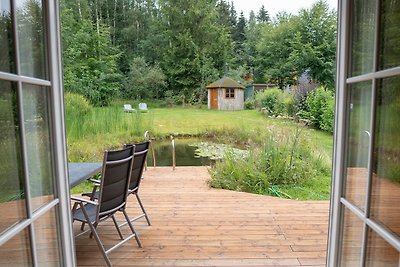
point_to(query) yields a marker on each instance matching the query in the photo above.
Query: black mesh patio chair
(112, 196)
(139, 161)
(141, 150)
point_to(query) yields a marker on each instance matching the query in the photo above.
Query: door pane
(362, 41)
(386, 169)
(12, 190)
(352, 240)
(7, 63)
(389, 50)
(46, 239)
(37, 136)
(358, 143)
(31, 38)
(380, 253)
(16, 251)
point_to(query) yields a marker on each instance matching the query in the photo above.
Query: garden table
(79, 172)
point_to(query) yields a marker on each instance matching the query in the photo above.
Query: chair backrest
(127, 107)
(141, 150)
(142, 106)
(117, 169)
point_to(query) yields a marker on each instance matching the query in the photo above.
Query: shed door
(214, 99)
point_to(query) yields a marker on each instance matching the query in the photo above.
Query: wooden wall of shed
(236, 103)
(209, 98)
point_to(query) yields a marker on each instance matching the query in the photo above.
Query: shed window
(230, 93)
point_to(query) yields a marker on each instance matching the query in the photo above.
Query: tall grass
(91, 130)
(104, 121)
(285, 161)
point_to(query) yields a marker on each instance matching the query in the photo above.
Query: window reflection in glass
(362, 41)
(37, 136)
(31, 38)
(389, 53)
(358, 143)
(46, 239)
(12, 192)
(352, 240)
(16, 251)
(380, 253)
(6, 40)
(386, 169)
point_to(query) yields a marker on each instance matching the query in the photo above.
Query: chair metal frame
(141, 150)
(81, 206)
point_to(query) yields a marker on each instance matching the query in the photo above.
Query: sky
(275, 6)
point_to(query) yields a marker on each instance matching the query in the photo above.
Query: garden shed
(225, 94)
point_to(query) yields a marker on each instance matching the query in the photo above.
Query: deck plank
(194, 225)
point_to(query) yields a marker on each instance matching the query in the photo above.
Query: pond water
(184, 153)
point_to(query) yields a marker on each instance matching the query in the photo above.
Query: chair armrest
(78, 199)
(94, 181)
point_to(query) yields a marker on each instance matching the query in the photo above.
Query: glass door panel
(47, 239)
(32, 45)
(7, 57)
(389, 54)
(37, 135)
(386, 179)
(362, 41)
(358, 143)
(351, 240)
(380, 253)
(12, 189)
(34, 221)
(16, 251)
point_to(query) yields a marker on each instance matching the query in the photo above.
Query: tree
(143, 81)
(292, 45)
(90, 60)
(315, 44)
(193, 41)
(239, 35)
(263, 16)
(276, 51)
(251, 54)
(224, 15)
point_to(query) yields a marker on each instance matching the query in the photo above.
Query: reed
(284, 166)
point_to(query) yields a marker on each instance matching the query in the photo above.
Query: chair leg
(83, 226)
(142, 207)
(116, 226)
(132, 229)
(95, 227)
(96, 236)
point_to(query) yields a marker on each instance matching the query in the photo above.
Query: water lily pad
(217, 151)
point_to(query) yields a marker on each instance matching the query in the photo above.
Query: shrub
(318, 107)
(249, 103)
(289, 104)
(275, 102)
(270, 100)
(328, 115)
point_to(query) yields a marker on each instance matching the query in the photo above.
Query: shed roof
(225, 82)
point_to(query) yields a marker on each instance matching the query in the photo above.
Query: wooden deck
(193, 225)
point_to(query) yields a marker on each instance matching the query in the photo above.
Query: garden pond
(189, 152)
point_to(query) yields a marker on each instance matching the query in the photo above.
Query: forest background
(158, 49)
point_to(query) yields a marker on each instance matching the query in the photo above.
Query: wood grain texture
(194, 225)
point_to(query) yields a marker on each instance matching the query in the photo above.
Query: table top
(78, 172)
